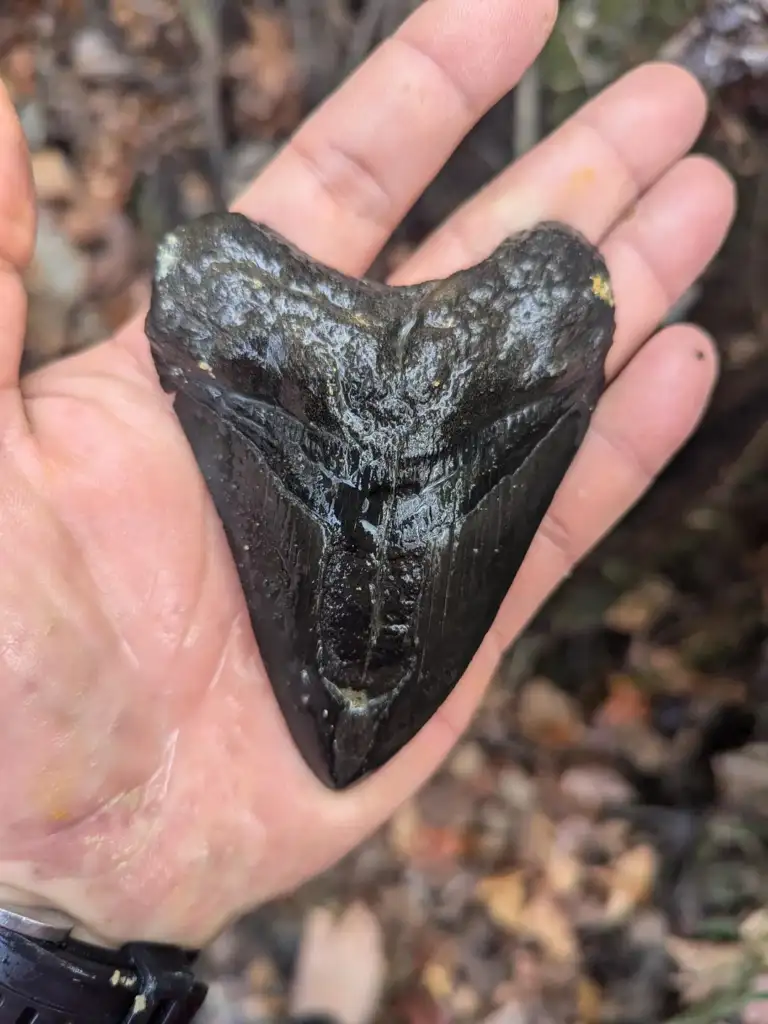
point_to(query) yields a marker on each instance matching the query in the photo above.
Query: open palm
(152, 789)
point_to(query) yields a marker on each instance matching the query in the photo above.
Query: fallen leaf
(756, 1009)
(704, 967)
(625, 703)
(266, 75)
(543, 920)
(593, 787)
(504, 897)
(516, 788)
(468, 762)
(423, 844)
(631, 880)
(666, 666)
(465, 1002)
(55, 179)
(589, 1001)
(56, 281)
(512, 1012)
(563, 872)
(636, 610)
(437, 979)
(547, 715)
(416, 1005)
(262, 975)
(754, 933)
(538, 839)
(341, 966)
(528, 974)
(94, 56)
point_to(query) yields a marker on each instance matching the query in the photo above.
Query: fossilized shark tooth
(380, 457)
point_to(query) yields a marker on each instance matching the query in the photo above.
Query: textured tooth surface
(380, 457)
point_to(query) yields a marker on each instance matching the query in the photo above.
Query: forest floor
(596, 850)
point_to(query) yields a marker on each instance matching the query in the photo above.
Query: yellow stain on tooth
(601, 287)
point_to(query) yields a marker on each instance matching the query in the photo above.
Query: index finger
(352, 171)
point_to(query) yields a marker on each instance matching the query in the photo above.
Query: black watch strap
(68, 982)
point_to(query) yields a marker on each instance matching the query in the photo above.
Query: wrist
(45, 918)
(47, 975)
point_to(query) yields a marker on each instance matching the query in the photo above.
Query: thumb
(17, 239)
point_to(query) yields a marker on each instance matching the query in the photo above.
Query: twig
(364, 35)
(301, 26)
(395, 14)
(204, 20)
(526, 129)
(319, 29)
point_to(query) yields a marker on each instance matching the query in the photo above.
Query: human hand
(150, 785)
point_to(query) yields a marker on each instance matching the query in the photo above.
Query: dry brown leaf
(704, 967)
(631, 880)
(513, 1012)
(403, 829)
(528, 974)
(547, 715)
(563, 872)
(267, 74)
(756, 1010)
(539, 838)
(437, 979)
(467, 762)
(415, 1005)
(543, 920)
(636, 610)
(594, 786)
(646, 747)
(440, 845)
(116, 310)
(20, 71)
(625, 703)
(504, 897)
(465, 1002)
(55, 179)
(416, 841)
(341, 966)
(754, 932)
(56, 281)
(516, 788)
(143, 23)
(590, 1001)
(668, 666)
(262, 975)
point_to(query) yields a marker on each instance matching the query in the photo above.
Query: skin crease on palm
(151, 788)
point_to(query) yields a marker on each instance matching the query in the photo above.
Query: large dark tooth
(380, 457)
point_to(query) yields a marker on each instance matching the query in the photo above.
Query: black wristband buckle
(69, 982)
(163, 985)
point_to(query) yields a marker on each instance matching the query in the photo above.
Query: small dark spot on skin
(699, 354)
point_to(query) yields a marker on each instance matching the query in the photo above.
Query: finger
(17, 237)
(641, 421)
(585, 174)
(353, 170)
(655, 255)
